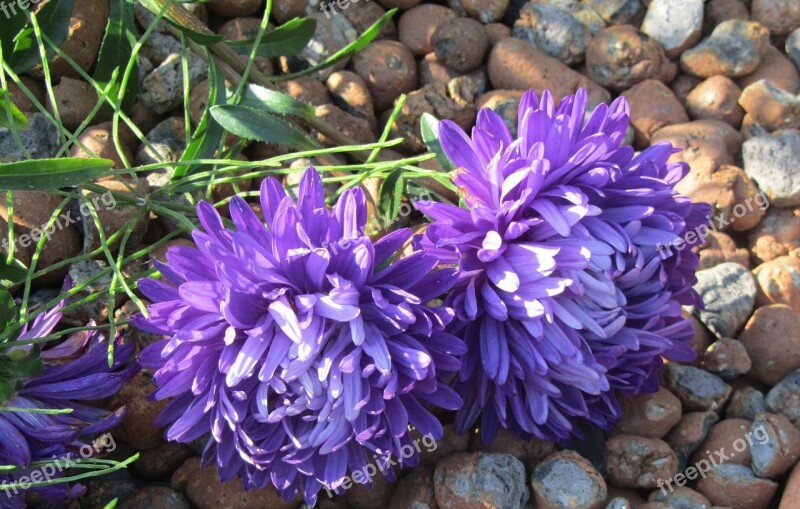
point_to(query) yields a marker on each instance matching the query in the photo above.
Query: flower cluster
(562, 297)
(75, 370)
(298, 343)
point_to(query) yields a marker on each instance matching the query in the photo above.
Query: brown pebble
(352, 95)
(240, 29)
(433, 71)
(771, 107)
(720, 248)
(621, 56)
(138, 427)
(702, 139)
(361, 496)
(772, 339)
(736, 486)
(780, 16)
(529, 453)
(115, 214)
(466, 481)
(689, 433)
(639, 462)
(156, 497)
(306, 89)
(36, 89)
(776, 445)
(727, 358)
(182, 475)
(733, 49)
(653, 105)
(682, 85)
(746, 401)
(366, 15)
(460, 44)
(205, 491)
(415, 491)
(779, 282)
(389, 69)
(451, 442)
(399, 4)
(775, 68)
(727, 438)
(791, 494)
(350, 125)
(75, 100)
(234, 8)
(718, 11)
(163, 461)
(681, 497)
(778, 234)
(286, 10)
(496, 31)
(417, 25)
(717, 99)
(99, 141)
(485, 11)
(649, 415)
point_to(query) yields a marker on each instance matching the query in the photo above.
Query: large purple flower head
(75, 370)
(298, 342)
(563, 296)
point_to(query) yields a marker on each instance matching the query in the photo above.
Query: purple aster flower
(299, 344)
(562, 295)
(75, 370)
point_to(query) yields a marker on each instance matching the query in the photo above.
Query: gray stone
(159, 46)
(565, 479)
(729, 292)
(618, 12)
(332, 34)
(784, 398)
(746, 403)
(793, 47)
(163, 88)
(40, 140)
(697, 389)
(619, 503)
(554, 31)
(585, 15)
(772, 162)
(483, 479)
(675, 24)
(168, 139)
(681, 498)
(96, 310)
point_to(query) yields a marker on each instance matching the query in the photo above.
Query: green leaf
(8, 310)
(207, 136)
(286, 40)
(429, 127)
(6, 390)
(18, 119)
(390, 196)
(171, 17)
(277, 102)
(116, 50)
(50, 174)
(17, 364)
(12, 274)
(112, 504)
(253, 124)
(12, 26)
(54, 19)
(367, 37)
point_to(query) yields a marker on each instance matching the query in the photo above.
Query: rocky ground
(718, 79)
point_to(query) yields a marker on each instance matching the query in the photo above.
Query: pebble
(366, 15)
(780, 16)
(689, 433)
(649, 415)
(205, 491)
(745, 403)
(772, 339)
(718, 11)
(737, 487)
(40, 140)
(460, 44)
(415, 491)
(180, 478)
(771, 107)
(100, 491)
(566, 479)
(168, 138)
(639, 462)
(234, 8)
(75, 100)
(307, 89)
(432, 71)
(388, 68)
(505, 103)
(332, 35)
(361, 496)
(697, 389)
(581, 11)
(480, 481)
(350, 125)
(784, 398)
(97, 309)
(776, 445)
(653, 106)
(516, 65)
(99, 140)
(114, 214)
(721, 248)
(530, 453)
(163, 88)
(495, 32)
(716, 98)
(156, 497)
(681, 497)
(554, 31)
(450, 443)
(618, 12)
(771, 162)
(778, 234)
(417, 25)
(621, 56)
(163, 461)
(791, 495)
(352, 95)
(793, 47)
(138, 427)
(775, 68)
(728, 438)
(683, 84)
(286, 10)
(485, 11)
(676, 24)
(729, 292)
(726, 358)
(159, 46)
(400, 4)
(701, 339)
(733, 49)
(715, 141)
(779, 282)
(240, 29)
(729, 190)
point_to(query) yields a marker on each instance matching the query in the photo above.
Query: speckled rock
(460, 43)
(777, 234)
(775, 68)
(726, 358)
(649, 415)
(553, 30)
(784, 398)
(388, 68)
(776, 445)
(41, 140)
(746, 402)
(618, 12)
(331, 35)
(480, 481)
(689, 433)
(168, 139)
(771, 162)
(485, 11)
(97, 309)
(638, 462)
(697, 389)
(733, 49)
(714, 141)
(779, 282)
(620, 56)
(780, 16)
(162, 89)
(515, 65)
(716, 98)
(729, 292)
(720, 248)
(653, 106)
(675, 24)
(772, 339)
(415, 491)
(736, 486)
(728, 438)
(417, 25)
(681, 497)
(566, 479)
